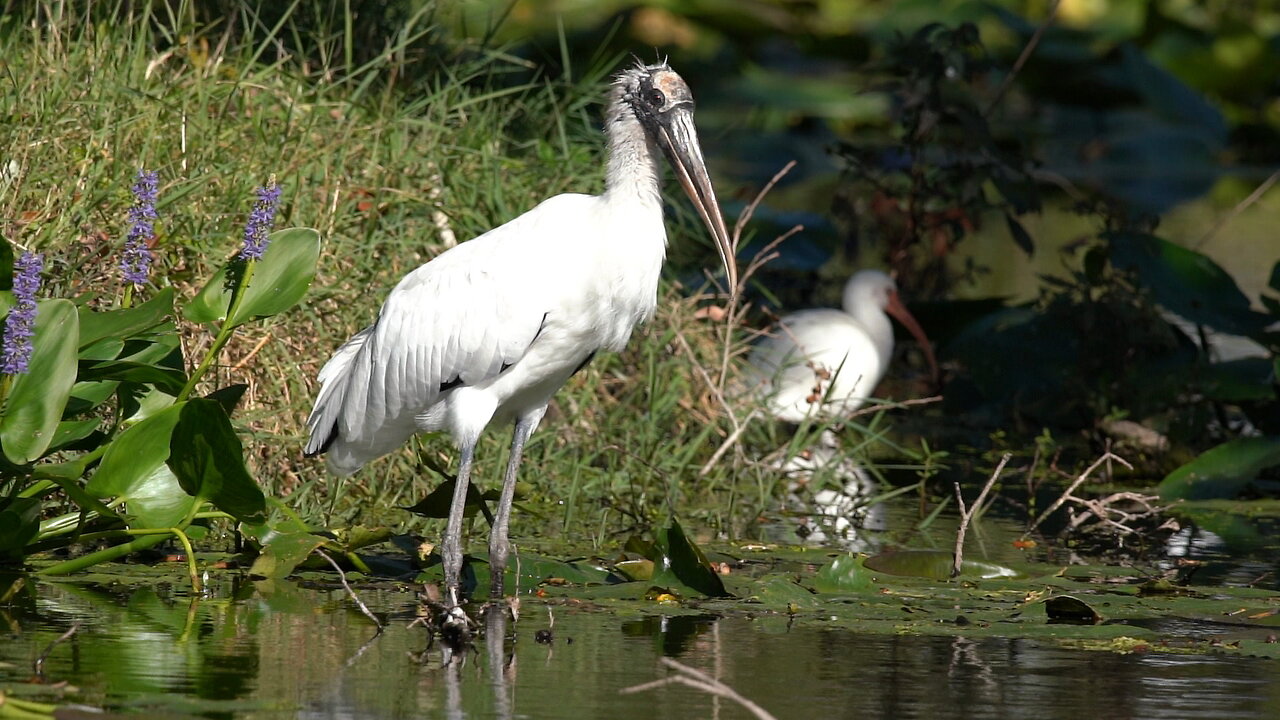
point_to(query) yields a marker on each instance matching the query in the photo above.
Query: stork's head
(663, 105)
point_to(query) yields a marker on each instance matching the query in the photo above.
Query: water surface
(278, 650)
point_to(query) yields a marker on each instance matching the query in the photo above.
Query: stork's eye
(656, 98)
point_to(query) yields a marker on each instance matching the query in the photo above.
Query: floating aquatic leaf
(934, 564)
(845, 573)
(1069, 609)
(1222, 472)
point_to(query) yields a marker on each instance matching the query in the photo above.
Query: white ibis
(825, 363)
(488, 331)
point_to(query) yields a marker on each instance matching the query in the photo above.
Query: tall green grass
(380, 149)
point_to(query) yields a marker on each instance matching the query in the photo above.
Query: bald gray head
(661, 102)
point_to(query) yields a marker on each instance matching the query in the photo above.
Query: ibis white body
(826, 363)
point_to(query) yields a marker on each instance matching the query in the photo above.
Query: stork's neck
(633, 171)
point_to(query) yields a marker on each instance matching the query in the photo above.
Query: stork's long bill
(679, 140)
(664, 105)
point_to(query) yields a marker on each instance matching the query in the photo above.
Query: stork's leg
(499, 547)
(451, 545)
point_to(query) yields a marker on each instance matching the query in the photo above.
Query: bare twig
(728, 442)
(699, 681)
(966, 514)
(359, 603)
(1023, 57)
(39, 664)
(1239, 208)
(895, 405)
(256, 348)
(1106, 457)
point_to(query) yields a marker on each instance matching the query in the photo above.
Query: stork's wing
(460, 319)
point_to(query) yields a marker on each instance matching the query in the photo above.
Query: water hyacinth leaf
(125, 323)
(19, 525)
(38, 397)
(73, 431)
(134, 469)
(6, 266)
(843, 574)
(208, 460)
(1223, 471)
(1020, 235)
(280, 279)
(1186, 282)
(229, 396)
(680, 566)
(933, 564)
(170, 380)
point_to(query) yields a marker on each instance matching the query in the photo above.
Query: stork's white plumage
(826, 363)
(491, 329)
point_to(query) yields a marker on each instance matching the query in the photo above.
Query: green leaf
(134, 469)
(6, 265)
(932, 564)
(208, 460)
(1186, 282)
(1020, 235)
(72, 431)
(170, 380)
(125, 323)
(38, 397)
(19, 525)
(680, 566)
(282, 552)
(280, 279)
(1223, 471)
(1274, 282)
(843, 574)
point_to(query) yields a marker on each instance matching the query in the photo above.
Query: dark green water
(275, 651)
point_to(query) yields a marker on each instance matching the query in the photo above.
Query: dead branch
(699, 681)
(359, 603)
(39, 663)
(966, 514)
(1023, 57)
(1106, 457)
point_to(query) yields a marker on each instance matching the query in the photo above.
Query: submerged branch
(699, 681)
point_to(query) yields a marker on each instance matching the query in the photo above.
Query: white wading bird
(826, 363)
(489, 330)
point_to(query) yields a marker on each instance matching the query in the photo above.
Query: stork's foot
(446, 619)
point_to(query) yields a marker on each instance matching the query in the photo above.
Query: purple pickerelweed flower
(20, 326)
(260, 220)
(135, 266)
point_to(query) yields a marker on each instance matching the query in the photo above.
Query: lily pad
(1222, 472)
(934, 564)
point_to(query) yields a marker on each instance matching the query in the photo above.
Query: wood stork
(489, 330)
(826, 363)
